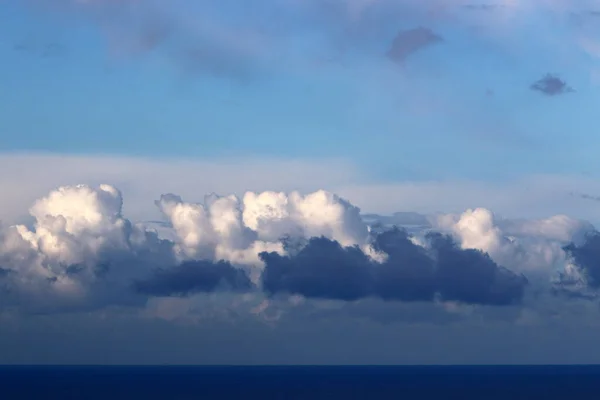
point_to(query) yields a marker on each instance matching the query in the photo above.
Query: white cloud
(79, 234)
(532, 247)
(141, 179)
(80, 246)
(238, 230)
(77, 229)
(27, 177)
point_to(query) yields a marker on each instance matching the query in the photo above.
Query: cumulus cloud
(532, 247)
(81, 252)
(238, 230)
(81, 249)
(141, 178)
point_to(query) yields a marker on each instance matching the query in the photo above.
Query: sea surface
(300, 382)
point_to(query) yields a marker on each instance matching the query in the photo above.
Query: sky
(198, 174)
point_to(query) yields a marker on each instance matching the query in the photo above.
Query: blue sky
(313, 81)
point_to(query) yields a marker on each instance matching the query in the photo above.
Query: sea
(299, 382)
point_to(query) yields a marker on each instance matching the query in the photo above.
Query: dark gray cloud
(410, 41)
(408, 274)
(324, 269)
(321, 269)
(551, 85)
(586, 257)
(471, 276)
(192, 277)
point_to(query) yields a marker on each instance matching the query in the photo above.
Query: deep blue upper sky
(214, 78)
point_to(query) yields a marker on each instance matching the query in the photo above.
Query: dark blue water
(355, 382)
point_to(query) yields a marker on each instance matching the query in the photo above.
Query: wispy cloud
(408, 42)
(45, 51)
(586, 196)
(484, 7)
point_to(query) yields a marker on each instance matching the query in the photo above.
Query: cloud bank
(82, 253)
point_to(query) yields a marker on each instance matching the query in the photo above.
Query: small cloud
(585, 196)
(45, 51)
(590, 197)
(22, 47)
(53, 50)
(410, 41)
(551, 85)
(483, 7)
